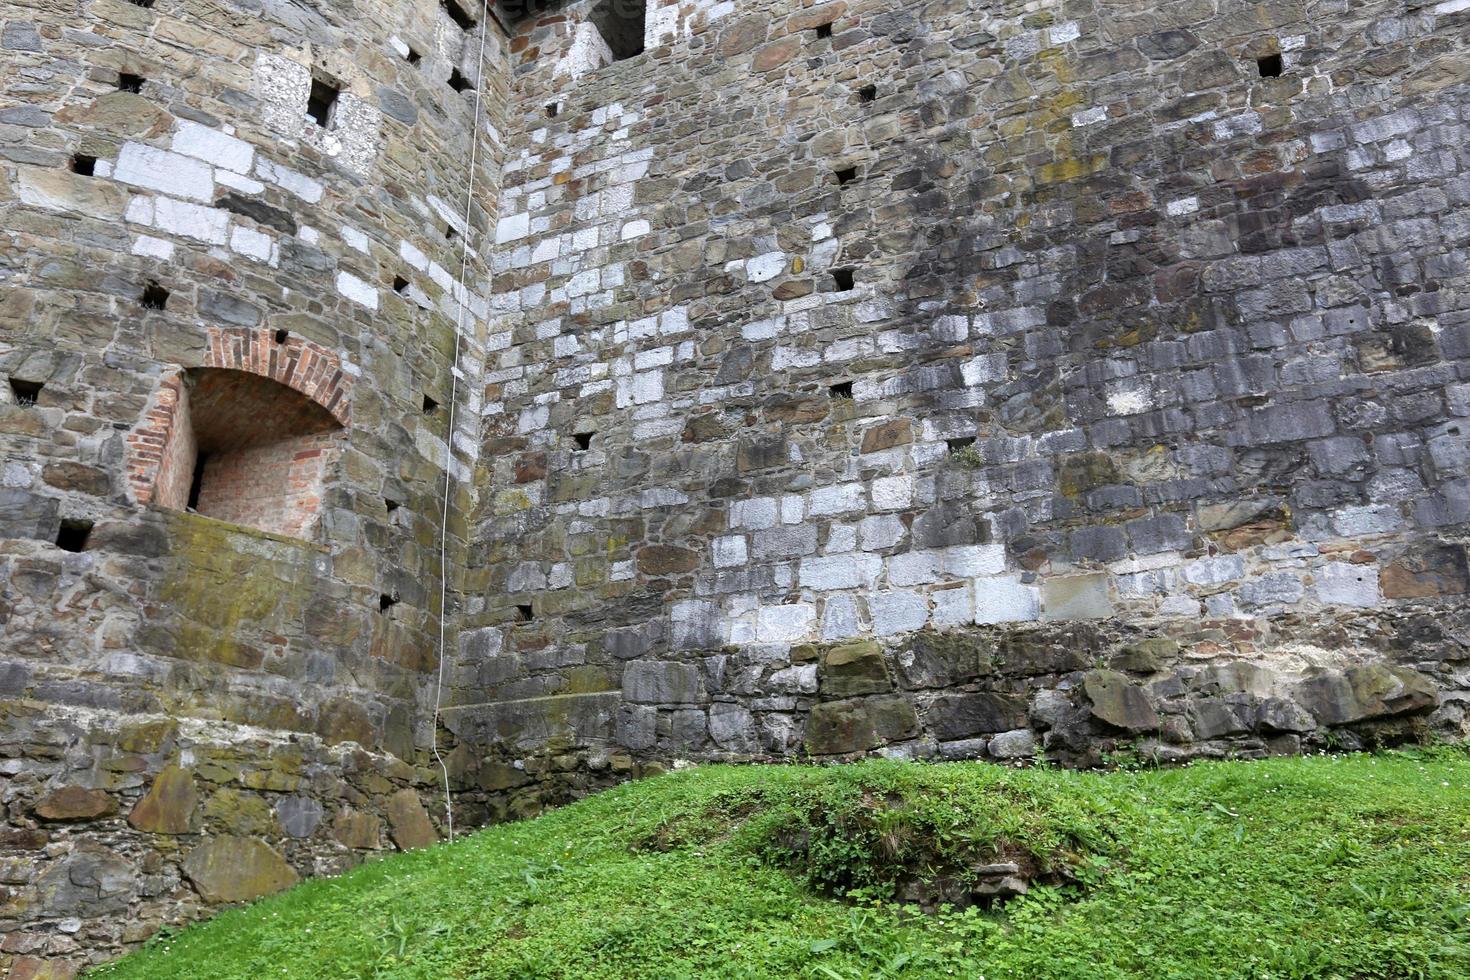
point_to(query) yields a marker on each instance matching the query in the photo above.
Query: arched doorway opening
(247, 449)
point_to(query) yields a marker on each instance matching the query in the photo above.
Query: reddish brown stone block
(75, 803)
(1436, 571)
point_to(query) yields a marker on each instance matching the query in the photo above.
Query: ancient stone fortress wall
(231, 239)
(951, 379)
(975, 379)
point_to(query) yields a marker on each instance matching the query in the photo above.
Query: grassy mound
(885, 830)
(1348, 866)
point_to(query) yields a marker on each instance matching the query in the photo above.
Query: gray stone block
(1018, 744)
(637, 726)
(27, 515)
(732, 727)
(299, 815)
(1075, 597)
(1098, 543)
(20, 36)
(965, 715)
(662, 682)
(1272, 588)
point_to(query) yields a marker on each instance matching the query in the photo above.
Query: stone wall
(946, 379)
(825, 333)
(189, 701)
(152, 819)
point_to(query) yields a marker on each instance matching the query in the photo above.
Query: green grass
(1331, 866)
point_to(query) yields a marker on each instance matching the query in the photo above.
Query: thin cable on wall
(462, 298)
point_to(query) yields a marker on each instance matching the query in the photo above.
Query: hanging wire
(463, 302)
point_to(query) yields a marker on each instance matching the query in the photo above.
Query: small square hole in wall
(844, 278)
(868, 93)
(84, 165)
(154, 296)
(413, 57)
(73, 534)
(553, 109)
(525, 613)
(458, 82)
(1269, 66)
(622, 26)
(391, 504)
(582, 440)
(386, 602)
(824, 30)
(400, 285)
(430, 406)
(25, 392)
(145, 4)
(127, 82)
(459, 15)
(322, 101)
(282, 336)
(843, 389)
(846, 175)
(449, 232)
(955, 445)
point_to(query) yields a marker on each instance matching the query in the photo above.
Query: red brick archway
(167, 449)
(308, 368)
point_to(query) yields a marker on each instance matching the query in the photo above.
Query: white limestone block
(648, 387)
(162, 170)
(212, 146)
(893, 492)
(754, 515)
(785, 624)
(830, 573)
(1006, 599)
(302, 186)
(838, 499)
(1090, 117)
(922, 567)
(764, 268)
(1340, 583)
(898, 612)
(971, 560)
(356, 290)
(156, 248)
(840, 618)
(251, 243)
(953, 607)
(880, 532)
(191, 220)
(512, 227)
(729, 551)
(356, 239)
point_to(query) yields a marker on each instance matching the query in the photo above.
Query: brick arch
(162, 439)
(297, 363)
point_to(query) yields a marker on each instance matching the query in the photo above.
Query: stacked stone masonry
(954, 379)
(228, 683)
